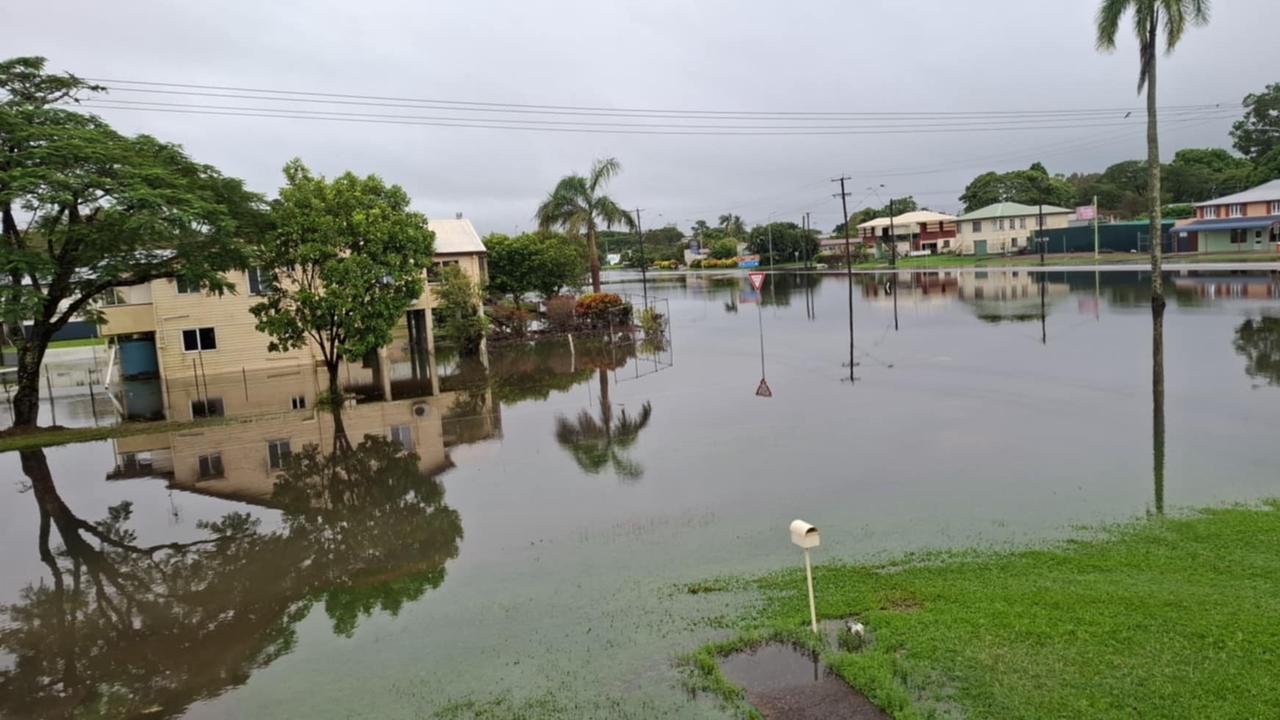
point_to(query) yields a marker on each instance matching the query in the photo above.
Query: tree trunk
(1153, 165)
(340, 441)
(26, 401)
(593, 259)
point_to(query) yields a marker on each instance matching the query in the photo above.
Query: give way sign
(757, 280)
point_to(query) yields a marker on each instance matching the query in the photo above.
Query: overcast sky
(797, 55)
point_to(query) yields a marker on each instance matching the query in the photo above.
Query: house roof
(455, 236)
(908, 218)
(1240, 223)
(1262, 193)
(1012, 209)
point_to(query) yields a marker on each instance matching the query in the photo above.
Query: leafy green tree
(1198, 174)
(1267, 167)
(458, 312)
(349, 257)
(724, 249)
(544, 263)
(85, 209)
(899, 205)
(577, 205)
(1258, 132)
(789, 241)
(1149, 17)
(1030, 187)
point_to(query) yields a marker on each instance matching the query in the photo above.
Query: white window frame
(1210, 212)
(199, 341)
(212, 459)
(178, 284)
(1275, 207)
(299, 402)
(1235, 210)
(258, 273)
(402, 435)
(281, 458)
(977, 226)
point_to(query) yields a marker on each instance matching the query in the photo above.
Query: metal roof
(908, 218)
(1240, 223)
(1012, 209)
(1265, 192)
(455, 236)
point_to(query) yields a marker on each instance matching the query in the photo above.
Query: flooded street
(529, 555)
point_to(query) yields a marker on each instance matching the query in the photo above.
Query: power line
(568, 126)
(307, 95)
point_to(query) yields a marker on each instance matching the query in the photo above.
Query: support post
(808, 575)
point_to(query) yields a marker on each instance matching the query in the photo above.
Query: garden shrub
(510, 321)
(601, 309)
(560, 312)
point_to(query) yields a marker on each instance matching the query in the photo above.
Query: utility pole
(893, 238)
(1095, 228)
(769, 229)
(804, 243)
(844, 207)
(644, 263)
(848, 266)
(1040, 230)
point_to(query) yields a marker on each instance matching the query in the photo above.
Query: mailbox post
(806, 536)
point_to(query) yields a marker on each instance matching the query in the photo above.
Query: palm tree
(732, 225)
(576, 205)
(1148, 17)
(596, 444)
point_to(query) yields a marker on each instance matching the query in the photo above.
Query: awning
(1240, 223)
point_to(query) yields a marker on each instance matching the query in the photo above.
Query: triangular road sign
(763, 388)
(757, 280)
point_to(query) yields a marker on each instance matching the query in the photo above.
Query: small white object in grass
(856, 628)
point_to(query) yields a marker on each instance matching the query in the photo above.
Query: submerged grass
(1168, 618)
(57, 435)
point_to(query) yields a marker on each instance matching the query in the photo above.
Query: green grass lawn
(1168, 618)
(82, 342)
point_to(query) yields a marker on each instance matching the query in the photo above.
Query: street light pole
(644, 263)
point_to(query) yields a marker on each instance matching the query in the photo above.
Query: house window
(260, 281)
(1275, 207)
(977, 226)
(402, 435)
(1235, 210)
(207, 408)
(299, 402)
(1022, 223)
(1014, 243)
(199, 339)
(186, 287)
(114, 296)
(946, 244)
(211, 466)
(278, 452)
(1000, 224)
(1211, 211)
(1237, 236)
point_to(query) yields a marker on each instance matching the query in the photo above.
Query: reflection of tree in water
(1258, 340)
(124, 629)
(597, 444)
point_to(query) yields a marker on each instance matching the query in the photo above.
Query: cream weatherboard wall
(1006, 234)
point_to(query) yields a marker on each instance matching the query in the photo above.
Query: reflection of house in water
(173, 340)
(1233, 287)
(998, 295)
(917, 288)
(241, 459)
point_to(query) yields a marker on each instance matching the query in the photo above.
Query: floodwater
(526, 559)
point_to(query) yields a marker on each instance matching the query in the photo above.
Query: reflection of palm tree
(1258, 340)
(597, 444)
(1157, 402)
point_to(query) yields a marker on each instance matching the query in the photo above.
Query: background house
(1005, 227)
(1244, 221)
(916, 231)
(170, 341)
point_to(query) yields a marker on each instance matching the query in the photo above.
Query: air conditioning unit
(421, 409)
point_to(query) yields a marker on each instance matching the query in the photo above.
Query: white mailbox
(804, 534)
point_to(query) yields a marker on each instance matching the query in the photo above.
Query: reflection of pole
(1044, 339)
(1157, 403)
(760, 317)
(894, 285)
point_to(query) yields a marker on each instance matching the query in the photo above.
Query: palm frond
(612, 214)
(1108, 21)
(601, 171)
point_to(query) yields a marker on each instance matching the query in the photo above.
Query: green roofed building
(1005, 227)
